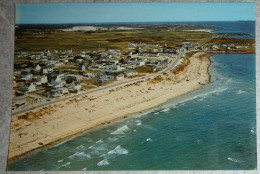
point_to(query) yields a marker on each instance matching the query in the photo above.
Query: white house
(120, 77)
(44, 70)
(79, 60)
(76, 85)
(26, 76)
(42, 79)
(56, 79)
(82, 67)
(30, 87)
(59, 84)
(131, 73)
(37, 67)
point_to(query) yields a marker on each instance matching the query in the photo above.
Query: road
(167, 70)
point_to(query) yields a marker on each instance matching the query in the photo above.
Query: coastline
(62, 122)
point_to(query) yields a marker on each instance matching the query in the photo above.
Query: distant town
(41, 76)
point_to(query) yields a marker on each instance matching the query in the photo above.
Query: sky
(62, 13)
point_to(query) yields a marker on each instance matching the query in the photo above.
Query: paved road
(167, 70)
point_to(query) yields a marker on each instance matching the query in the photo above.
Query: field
(54, 39)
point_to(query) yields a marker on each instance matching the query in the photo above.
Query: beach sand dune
(67, 118)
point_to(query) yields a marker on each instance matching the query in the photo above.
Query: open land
(99, 76)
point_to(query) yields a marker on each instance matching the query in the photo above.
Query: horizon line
(126, 22)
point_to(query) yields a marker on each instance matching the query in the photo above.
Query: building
(42, 79)
(131, 73)
(29, 87)
(82, 67)
(37, 67)
(76, 85)
(26, 75)
(120, 76)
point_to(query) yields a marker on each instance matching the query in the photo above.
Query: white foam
(80, 156)
(118, 151)
(60, 161)
(202, 96)
(240, 92)
(233, 159)
(112, 139)
(65, 165)
(84, 169)
(121, 130)
(104, 162)
(99, 141)
(252, 131)
(156, 113)
(149, 139)
(138, 123)
(81, 147)
(98, 149)
(165, 110)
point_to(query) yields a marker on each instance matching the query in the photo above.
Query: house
(114, 62)
(58, 92)
(120, 76)
(44, 70)
(82, 67)
(29, 87)
(72, 77)
(50, 68)
(55, 79)
(105, 78)
(90, 75)
(117, 67)
(59, 63)
(58, 84)
(76, 85)
(37, 67)
(47, 52)
(79, 60)
(42, 79)
(232, 46)
(131, 73)
(26, 75)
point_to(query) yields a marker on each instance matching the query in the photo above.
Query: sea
(212, 128)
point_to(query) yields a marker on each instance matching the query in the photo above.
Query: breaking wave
(65, 165)
(104, 162)
(79, 156)
(121, 130)
(233, 159)
(118, 151)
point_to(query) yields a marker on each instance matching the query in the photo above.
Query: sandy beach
(69, 117)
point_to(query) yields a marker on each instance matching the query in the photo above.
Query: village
(50, 74)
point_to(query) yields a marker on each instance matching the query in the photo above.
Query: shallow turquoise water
(211, 128)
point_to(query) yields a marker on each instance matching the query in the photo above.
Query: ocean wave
(80, 156)
(149, 139)
(67, 165)
(99, 141)
(81, 147)
(112, 139)
(240, 92)
(233, 159)
(200, 96)
(98, 149)
(118, 151)
(104, 162)
(138, 122)
(165, 110)
(121, 130)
